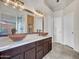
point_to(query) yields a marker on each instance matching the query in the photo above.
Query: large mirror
(22, 21)
(34, 23)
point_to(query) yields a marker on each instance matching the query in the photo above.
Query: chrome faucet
(38, 31)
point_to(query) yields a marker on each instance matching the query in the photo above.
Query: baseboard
(65, 45)
(76, 50)
(59, 43)
(69, 47)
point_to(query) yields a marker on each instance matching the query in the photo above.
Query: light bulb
(16, 4)
(22, 7)
(14, 7)
(6, 4)
(8, 1)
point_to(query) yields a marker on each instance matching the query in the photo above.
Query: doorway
(58, 35)
(63, 29)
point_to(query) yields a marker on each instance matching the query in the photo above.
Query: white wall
(74, 8)
(68, 17)
(58, 28)
(49, 24)
(69, 29)
(76, 26)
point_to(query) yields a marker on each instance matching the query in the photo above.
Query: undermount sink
(17, 37)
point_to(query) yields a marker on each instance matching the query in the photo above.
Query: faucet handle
(37, 30)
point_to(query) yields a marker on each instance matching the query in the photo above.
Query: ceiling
(54, 5)
(37, 5)
(46, 6)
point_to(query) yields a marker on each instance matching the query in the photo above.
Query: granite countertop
(6, 43)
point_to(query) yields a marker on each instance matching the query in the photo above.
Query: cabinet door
(30, 54)
(39, 50)
(39, 54)
(46, 47)
(21, 56)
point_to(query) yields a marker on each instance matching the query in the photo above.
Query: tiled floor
(61, 52)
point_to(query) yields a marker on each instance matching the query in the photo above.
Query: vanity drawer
(47, 39)
(39, 42)
(28, 46)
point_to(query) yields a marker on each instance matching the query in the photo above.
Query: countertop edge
(17, 44)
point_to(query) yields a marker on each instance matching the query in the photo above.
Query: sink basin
(43, 33)
(17, 37)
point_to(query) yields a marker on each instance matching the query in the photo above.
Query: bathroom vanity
(32, 46)
(28, 48)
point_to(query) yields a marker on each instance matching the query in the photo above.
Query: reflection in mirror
(6, 24)
(38, 23)
(22, 21)
(11, 18)
(35, 24)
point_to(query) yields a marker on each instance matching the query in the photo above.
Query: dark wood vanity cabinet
(34, 50)
(39, 49)
(30, 54)
(47, 45)
(20, 56)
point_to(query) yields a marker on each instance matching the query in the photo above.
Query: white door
(58, 34)
(68, 30)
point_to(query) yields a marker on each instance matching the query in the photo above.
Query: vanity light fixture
(39, 13)
(6, 2)
(14, 3)
(20, 6)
